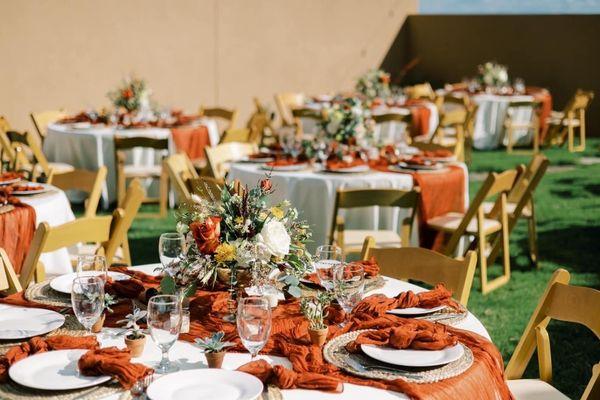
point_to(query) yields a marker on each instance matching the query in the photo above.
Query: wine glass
(254, 323)
(171, 247)
(87, 299)
(92, 265)
(348, 285)
(326, 258)
(164, 323)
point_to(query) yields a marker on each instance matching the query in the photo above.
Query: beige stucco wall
(69, 53)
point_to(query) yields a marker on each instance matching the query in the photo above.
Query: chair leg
(570, 138)
(533, 248)
(481, 243)
(164, 193)
(509, 137)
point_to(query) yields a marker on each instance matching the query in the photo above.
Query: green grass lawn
(568, 209)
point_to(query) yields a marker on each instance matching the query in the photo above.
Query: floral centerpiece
(347, 122)
(238, 231)
(374, 84)
(492, 74)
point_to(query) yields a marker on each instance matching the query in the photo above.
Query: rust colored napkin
(340, 164)
(284, 162)
(114, 362)
(40, 345)
(129, 289)
(139, 275)
(379, 304)
(370, 267)
(412, 335)
(285, 378)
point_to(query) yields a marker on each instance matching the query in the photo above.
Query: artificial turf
(568, 209)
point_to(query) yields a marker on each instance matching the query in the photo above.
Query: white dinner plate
(23, 322)
(350, 170)
(206, 384)
(9, 182)
(44, 189)
(257, 160)
(415, 310)
(64, 282)
(286, 168)
(396, 168)
(413, 358)
(441, 159)
(53, 370)
(431, 167)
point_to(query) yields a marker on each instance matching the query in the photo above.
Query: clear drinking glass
(87, 299)
(92, 265)
(171, 247)
(326, 258)
(164, 323)
(254, 323)
(349, 285)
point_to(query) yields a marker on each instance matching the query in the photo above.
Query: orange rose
(266, 185)
(127, 93)
(207, 234)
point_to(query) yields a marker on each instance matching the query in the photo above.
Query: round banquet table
(54, 208)
(313, 194)
(188, 356)
(91, 147)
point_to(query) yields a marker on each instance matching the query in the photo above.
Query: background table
(90, 148)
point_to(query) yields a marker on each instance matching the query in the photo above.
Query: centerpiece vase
(237, 279)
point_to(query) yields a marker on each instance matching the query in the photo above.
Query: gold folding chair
(125, 171)
(421, 91)
(181, 171)
(9, 281)
(41, 120)
(228, 117)
(220, 157)
(562, 302)
(450, 132)
(533, 124)
(260, 125)
(302, 113)
(351, 240)
(207, 188)
(562, 125)
(89, 182)
(426, 266)
(285, 103)
(475, 222)
(241, 135)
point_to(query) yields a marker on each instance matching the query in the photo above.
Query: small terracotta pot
(97, 327)
(318, 336)
(135, 346)
(215, 360)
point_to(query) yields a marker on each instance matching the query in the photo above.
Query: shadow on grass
(574, 247)
(144, 250)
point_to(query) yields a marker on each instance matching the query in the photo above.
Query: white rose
(275, 238)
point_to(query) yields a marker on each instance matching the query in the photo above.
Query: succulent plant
(130, 322)
(214, 343)
(315, 309)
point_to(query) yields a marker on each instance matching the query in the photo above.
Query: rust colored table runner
(191, 140)
(16, 232)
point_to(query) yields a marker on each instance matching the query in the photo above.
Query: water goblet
(171, 247)
(348, 285)
(326, 258)
(164, 324)
(92, 265)
(87, 299)
(254, 323)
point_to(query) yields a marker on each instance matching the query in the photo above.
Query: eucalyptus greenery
(314, 309)
(214, 343)
(130, 322)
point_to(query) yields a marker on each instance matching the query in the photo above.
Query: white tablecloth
(90, 148)
(55, 209)
(188, 356)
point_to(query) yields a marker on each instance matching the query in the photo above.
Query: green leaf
(294, 291)
(190, 290)
(167, 285)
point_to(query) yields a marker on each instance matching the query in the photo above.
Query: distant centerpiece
(493, 75)
(374, 84)
(347, 122)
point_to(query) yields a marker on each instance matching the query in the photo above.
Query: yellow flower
(239, 220)
(277, 212)
(225, 252)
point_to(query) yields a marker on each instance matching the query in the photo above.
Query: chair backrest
(26, 144)
(227, 115)
(9, 281)
(236, 135)
(90, 182)
(534, 167)
(41, 120)
(259, 123)
(207, 188)
(7, 153)
(392, 117)
(428, 266)
(421, 91)
(562, 302)
(46, 239)
(219, 157)
(495, 183)
(580, 101)
(354, 198)
(181, 171)
(285, 102)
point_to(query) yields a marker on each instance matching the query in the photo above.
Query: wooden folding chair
(520, 204)
(426, 266)
(450, 132)
(474, 222)
(285, 102)
(351, 240)
(300, 114)
(260, 124)
(42, 119)
(207, 188)
(89, 182)
(421, 91)
(533, 124)
(125, 171)
(181, 171)
(562, 125)
(562, 302)
(219, 158)
(9, 281)
(241, 135)
(227, 116)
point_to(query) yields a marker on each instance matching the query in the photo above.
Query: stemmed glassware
(171, 247)
(348, 285)
(87, 299)
(254, 323)
(326, 258)
(92, 265)
(164, 324)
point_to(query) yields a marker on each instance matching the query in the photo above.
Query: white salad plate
(24, 322)
(206, 384)
(64, 282)
(53, 370)
(415, 310)
(285, 168)
(9, 182)
(413, 358)
(350, 170)
(44, 189)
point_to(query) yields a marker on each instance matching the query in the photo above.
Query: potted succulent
(109, 300)
(135, 339)
(315, 311)
(214, 349)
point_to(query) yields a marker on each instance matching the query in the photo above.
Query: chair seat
(57, 167)
(534, 389)
(510, 208)
(557, 120)
(354, 238)
(142, 171)
(450, 222)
